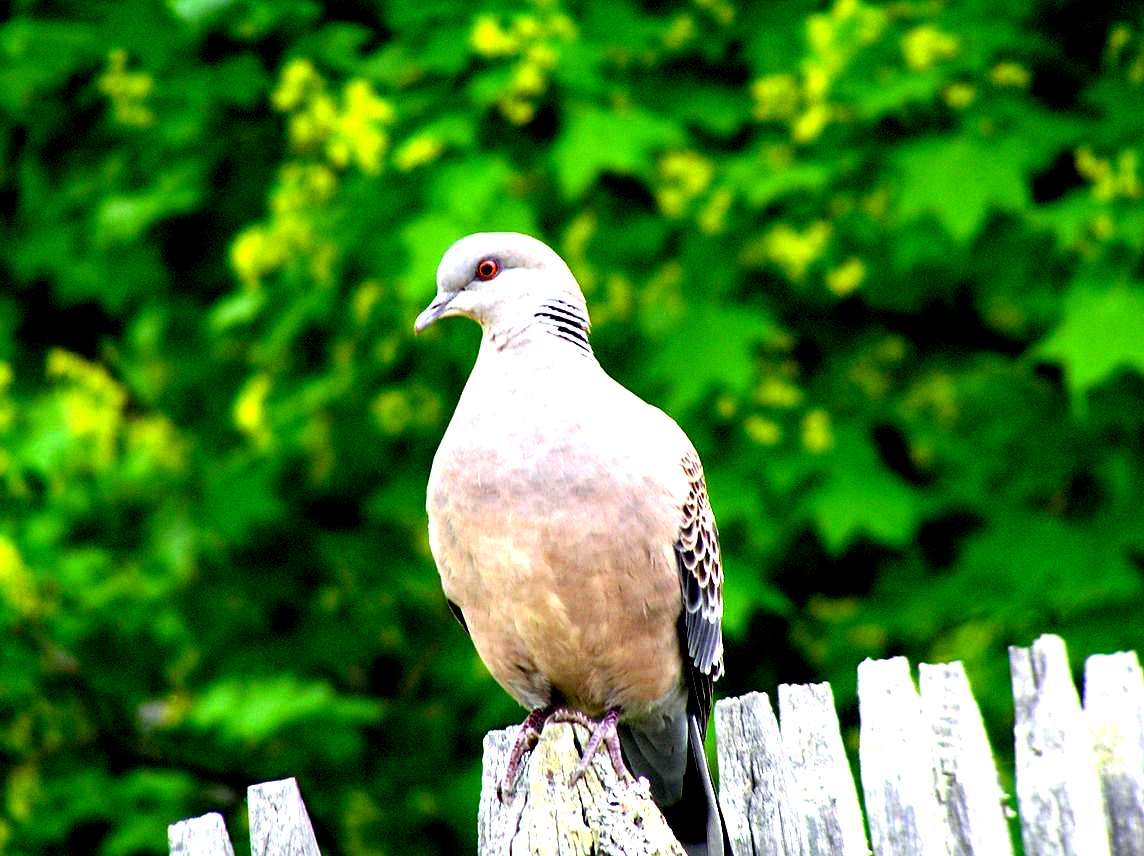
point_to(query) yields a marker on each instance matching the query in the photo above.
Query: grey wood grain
(823, 783)
(756, 782)
(1114, 711)
(965, 774)
(199, 836)
(1061, 806)
(543, 815)
(279, 824)
(897, 763)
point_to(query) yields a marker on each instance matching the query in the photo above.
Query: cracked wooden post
(543, 815)
(823, 783)
(756, 783)
(928, 773)
(965, 774)
(1059, 794)
(199, 836)
(279, 824)
(897, 763)
(1114, 711)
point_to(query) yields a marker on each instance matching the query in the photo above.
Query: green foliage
(883, 262)
(1099, 333)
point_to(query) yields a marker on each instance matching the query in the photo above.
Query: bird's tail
(691, 810)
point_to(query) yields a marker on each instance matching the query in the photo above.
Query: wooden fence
(928, 777)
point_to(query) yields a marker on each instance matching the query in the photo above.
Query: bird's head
(499, 279)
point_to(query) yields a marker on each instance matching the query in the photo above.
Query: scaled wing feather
(701, 583)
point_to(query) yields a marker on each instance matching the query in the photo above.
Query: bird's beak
(433, 311)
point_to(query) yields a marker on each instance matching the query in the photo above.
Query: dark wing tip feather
(701, 587)
(457, 614)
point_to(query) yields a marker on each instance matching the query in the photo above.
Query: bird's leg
(525, 740)
(602, 731)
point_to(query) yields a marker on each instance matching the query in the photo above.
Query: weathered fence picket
(279, 826)
(279, 823)
(757, 793)
(199, 836)
(824, 784)
(928, 776)
(541, 814)
(1114, 712)
(1057, 786)
(965, 777)
(896, 759)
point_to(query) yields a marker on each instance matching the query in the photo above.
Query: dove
(571, 527)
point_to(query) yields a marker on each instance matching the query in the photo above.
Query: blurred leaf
(195, 11)
(960, 180)
(39, 53)
(595, 141)
(1043, 549)
(858, 496)
(122, 218)
(761, 184)
(1099, 334)
(271, 705)
(711, 350)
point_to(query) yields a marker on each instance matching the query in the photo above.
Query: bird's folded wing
(701, 583)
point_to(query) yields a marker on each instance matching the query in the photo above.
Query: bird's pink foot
(602, 731)
(525, 740)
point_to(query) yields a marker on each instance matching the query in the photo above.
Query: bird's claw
(602, 732)
(526, 739)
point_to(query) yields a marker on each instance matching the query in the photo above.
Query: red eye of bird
(487, 269)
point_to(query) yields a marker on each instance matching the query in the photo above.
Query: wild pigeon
(570, 524)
